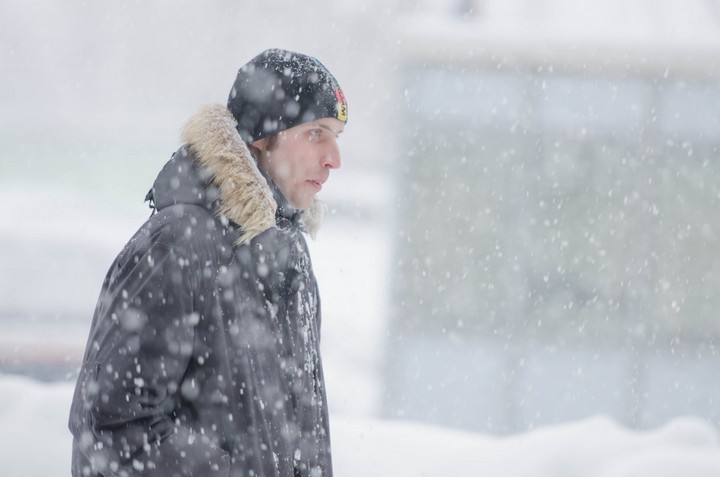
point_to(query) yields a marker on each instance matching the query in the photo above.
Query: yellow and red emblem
(342, 111)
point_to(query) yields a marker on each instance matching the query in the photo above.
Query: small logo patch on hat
(341, 105)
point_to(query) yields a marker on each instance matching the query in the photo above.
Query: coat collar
(247, 198)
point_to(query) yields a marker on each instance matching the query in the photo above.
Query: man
(203, 356)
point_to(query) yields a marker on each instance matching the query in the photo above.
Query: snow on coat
(203, 356)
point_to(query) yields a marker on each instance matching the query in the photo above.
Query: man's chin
(302, 205)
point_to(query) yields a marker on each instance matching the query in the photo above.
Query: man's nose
(331, 158)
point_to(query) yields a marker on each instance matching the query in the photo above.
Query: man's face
(299, 159)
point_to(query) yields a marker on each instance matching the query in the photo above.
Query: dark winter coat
(203, 357)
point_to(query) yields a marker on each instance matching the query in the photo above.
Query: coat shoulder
(190, 231)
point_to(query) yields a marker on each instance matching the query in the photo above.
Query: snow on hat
(280, 89)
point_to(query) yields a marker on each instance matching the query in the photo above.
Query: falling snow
(518, 268)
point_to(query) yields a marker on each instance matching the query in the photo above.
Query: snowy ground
(35, 442)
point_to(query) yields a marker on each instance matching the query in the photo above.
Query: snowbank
(35, 442)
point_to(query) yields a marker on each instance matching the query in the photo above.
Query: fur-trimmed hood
(216, 170)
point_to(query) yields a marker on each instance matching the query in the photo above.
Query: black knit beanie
(279, 89)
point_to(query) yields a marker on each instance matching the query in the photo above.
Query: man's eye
(315, 133)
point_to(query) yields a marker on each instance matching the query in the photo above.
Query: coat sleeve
(131, 384)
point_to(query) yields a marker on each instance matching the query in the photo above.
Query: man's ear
(260, 145)
(257, 147)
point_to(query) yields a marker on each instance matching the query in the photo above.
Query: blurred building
(558, 232)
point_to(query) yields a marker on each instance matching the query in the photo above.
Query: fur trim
(313, 216)
(245, 196)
